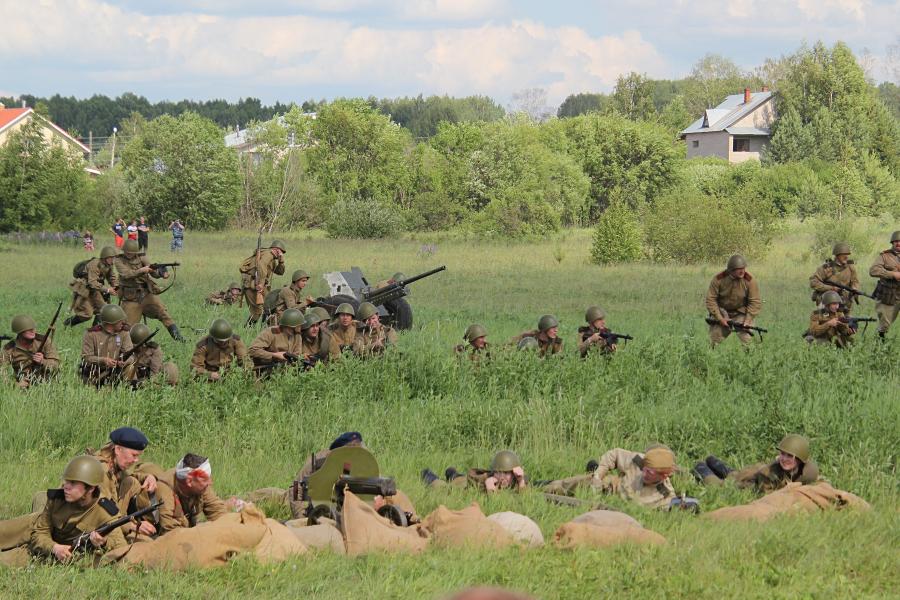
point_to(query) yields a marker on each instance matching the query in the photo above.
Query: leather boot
(718, 467)
(173, 331)
(429, 476)
(704, 474)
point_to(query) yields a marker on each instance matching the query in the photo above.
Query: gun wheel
(401, 313)
(394, 514)
(321, 511)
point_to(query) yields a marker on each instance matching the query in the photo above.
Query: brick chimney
(746, 95)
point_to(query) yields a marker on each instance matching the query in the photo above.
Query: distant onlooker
(143, 233)
(177, 228)
(132, 230)
(88, 240)
(118, 229)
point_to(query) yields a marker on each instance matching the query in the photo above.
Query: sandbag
(464, 528)
(277, 544)
(317, 537)
(607, 518)
(795, 498)
(584, 535)
(522, 529)
(366, 531)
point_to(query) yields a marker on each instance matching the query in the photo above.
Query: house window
(741, 145)
(695, 144)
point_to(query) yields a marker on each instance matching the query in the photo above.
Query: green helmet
(736, 262)
(291, 318)
(323, 314)
(299, 274)
(312, 318)
(795, 444)
(505, 460)
(131, 246)
(895, 237)
(139, 333)
(366, 310)
(278, 244)
(841, 248)
(345, 309)
(22, 323)
(593, 313)
(474, 331)
(830, 297)
(111, 313)
(220, 330)
(528, 343)
(547, 322)
(108, 252)
(234, 285)
(86, 469)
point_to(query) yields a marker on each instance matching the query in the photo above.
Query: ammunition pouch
(132, 294)
(887, 291)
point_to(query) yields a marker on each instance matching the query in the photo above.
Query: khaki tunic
(138, 293)
(179, 510)
(732, 299)
(62, 522)
(584, 346)
(842, 274)
(477, 479)
(120, 486)
(288, 297)
(369, 341)
(96, 345)
(209, 357)
(322, 347)
(268, 265)
(765, 478)
(17, 353)
(839, 335)
(87, 292)
(475, 355)
(545, 344)
(887, 263)
(271, 340)
(148, 362)
(343, 337)
(222, 297)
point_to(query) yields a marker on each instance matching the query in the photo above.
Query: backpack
(79, 271)
(271, 300)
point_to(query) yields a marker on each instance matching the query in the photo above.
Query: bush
(617, 237)
(828, 231)
(360, 218)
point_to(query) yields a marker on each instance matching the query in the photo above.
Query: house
(12, 119)
(243, 141)
(736, 130)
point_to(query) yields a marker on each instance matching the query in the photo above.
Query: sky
(293, 50)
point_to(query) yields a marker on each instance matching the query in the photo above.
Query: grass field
(421, 407)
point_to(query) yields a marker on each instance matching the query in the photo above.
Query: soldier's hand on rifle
(214, 376)
(279, 356)
(723, 322)
(259, 287)
(833, 322)
(37, 358)
(310, 299)
(165, 274)
(62, 552)
(110, 362)
(378, 502)
(97, 540)
(149, 484)
(146, 269)
(112, 291)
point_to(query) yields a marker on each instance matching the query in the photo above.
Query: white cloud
(824, 9)
(450, 10)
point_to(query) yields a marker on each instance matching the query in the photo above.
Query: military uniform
(138, 293)
(343, 337)
(268, 265)
(765, 478)
(88, 292)
(474, 354)
(320, 348)
(369, 341)
(209, 357)
(888, 289)
(545, 344)
(179, 510)
(222, 297)
(275, 339)
(63, 522)
(732, 299)
(822, 333)
(843, 274)
(474, 478)
(98, 344)
(148, 362)
(18, 352)
(584, 345)
(287, 297)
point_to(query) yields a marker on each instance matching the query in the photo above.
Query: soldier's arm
(391, 337)
(213, 507)
(94, 276)
(41, 540)
(111, 277)
(214, 299)
(198, 359)
(240, 351)
(125, 270)
(810, 473)
(115, 539)
(712, 299)
(287, 297)
(51, 357)
(854, 278)
(126, 346)
(609, 462)
(156, 360)
(90, 354)
(816, 282)
(817, 324)
(754, 301)
(279, 265)
(258, 348)
(167, 520)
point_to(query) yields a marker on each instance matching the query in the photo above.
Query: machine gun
(163, 268)
(82, 541)
(396, 290)
(737, 326)
(611, 338)
(854, 322)
(849, 290)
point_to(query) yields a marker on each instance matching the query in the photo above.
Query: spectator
(118, 229)
(88, 240)
(143, 234)
(177, 228)
(132, 230)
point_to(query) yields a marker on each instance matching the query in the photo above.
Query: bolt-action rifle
(82, 541)
(738, 326)
(854, 293)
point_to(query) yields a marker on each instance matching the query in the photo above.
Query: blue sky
(291, 50)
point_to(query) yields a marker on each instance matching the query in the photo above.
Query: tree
(579, 104)
(633, 97)
(675, 116)
(531, 102)
(712, 78)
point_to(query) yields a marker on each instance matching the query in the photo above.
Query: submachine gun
(83, 541)
(855, 294)
(738, 326)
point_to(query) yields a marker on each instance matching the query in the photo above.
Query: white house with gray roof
(736, 130)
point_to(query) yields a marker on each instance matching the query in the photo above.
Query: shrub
(359, 218)
(828, 231)
(617, 237)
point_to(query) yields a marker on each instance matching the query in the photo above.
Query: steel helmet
(291, 318)
(366, 310)
(278, 244)
(505, 460)
(234, 285)
(796, 445)
(22, 323)
(593, 313)
(345, 309)
(131, 246)
(108, 252)
(474, 331)
(112, 313)
(841, 248)
(547, 322)
(312, 318)
(86, 469)
(830, 297)
(736, 262)
(299, 274)
(323, 314)
(895, 237)
(220, 330)
(528, 343)
(139, 333)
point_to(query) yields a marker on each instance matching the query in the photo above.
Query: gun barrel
(849, 289)
(399, 285)
(415, 278)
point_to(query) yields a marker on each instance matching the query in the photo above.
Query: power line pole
(112, 158)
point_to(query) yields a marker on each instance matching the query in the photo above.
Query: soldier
(592, 335)
(477, 345)
(314, 463)
(103, 346)
(118, 456)
(229, 296)
(138, 293)
(95, 281)
(218, 352)
(792, 464)
(528, 344)
(887, 269)
(148, 359)
(343, 329)
(260, 269)
(289, 297)
(547, 336)
(733, 295)
(318, 346)
(28, 365)
(506, 472)
(840, 270)
(831, 324)
(643, 477)
(275, 346)
(373, 337)
(186, 492)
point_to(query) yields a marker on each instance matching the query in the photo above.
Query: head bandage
(182, 472)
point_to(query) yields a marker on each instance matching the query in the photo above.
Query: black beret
(344, 439)
(129, 437)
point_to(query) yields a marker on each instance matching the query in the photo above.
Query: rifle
(396, 290)
(50, 329)
(163, 267)
(611, 338)
(82, 541)
(260, 299)
(4, 338)
(736, 326)
(849, 290)
(129, 353)
(854, 322)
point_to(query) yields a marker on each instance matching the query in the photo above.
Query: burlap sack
(607, 518)
(278, 543)
(584, 535)
(366, 531)
(317, 537)
(522, 529)
(464, 528)
(792, 499)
